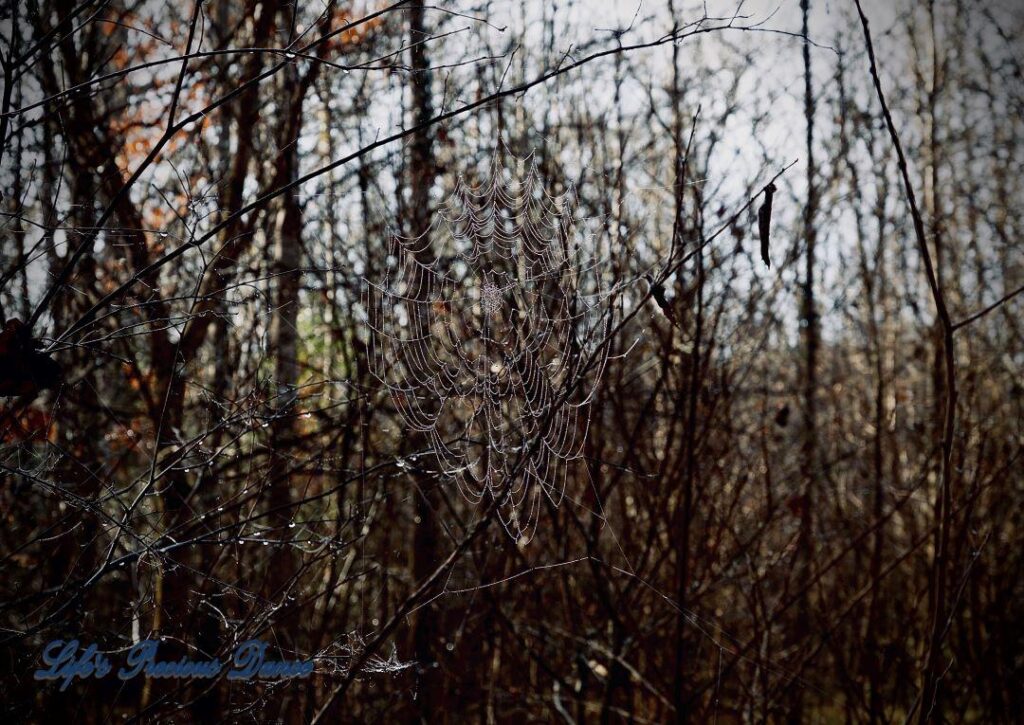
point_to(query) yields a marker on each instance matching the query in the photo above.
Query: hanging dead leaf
(764, 222)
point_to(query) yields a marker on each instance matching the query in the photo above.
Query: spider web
(487, 329)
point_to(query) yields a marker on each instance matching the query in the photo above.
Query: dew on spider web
(486, 332)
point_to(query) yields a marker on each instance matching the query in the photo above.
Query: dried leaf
(764, 222)
(23, 369)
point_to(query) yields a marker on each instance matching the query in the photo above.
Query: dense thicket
(800, 494)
